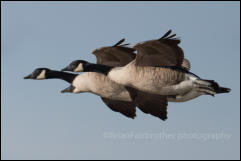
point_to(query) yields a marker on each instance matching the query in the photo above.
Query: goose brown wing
(116, 55)
(126, 108)
(153, 104)
(186, 64)
(162, 52)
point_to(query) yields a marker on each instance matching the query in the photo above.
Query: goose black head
(76, 66)
(39, 73)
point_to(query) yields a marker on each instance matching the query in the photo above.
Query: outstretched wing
(162, 52)
(116, 55)
(153, 104)
(126, 108)
(120, 55)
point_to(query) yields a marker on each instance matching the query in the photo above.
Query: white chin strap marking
(79, 68)
(41, 75)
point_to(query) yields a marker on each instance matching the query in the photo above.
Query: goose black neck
(99, 68)
(68, 77)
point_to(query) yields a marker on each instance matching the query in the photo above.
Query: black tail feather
(223, 90)
(217, 88)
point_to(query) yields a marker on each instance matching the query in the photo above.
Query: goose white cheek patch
(41, 75)
(79, 68)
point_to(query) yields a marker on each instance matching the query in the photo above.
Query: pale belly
(186, 97)
(114, 93)
(102, 86)
(154, 80)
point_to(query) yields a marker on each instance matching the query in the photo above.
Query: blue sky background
(38, 122)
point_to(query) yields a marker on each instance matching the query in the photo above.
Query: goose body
(114, 57)
(158, 73)
(115, 96)
(160, 68)
(93, 82)
(160, 77)
(100, 85)
(156, 80)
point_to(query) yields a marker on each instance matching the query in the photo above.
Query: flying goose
(117, 97)
(158, 69)
(95, 83)
(116, 56)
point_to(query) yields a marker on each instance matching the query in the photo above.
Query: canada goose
(117, 97)
(116, 56)
(120, 55)
(158, 69)
(89, 82)
(80, 65)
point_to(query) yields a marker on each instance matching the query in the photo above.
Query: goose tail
(223, 90)
(215, 86)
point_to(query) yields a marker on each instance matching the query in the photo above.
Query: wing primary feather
(171, 36)
(166, 34)
(156, 105)
(119, 42)
(128, 109)
(124, 45)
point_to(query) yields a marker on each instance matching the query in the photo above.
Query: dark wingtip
(171, 36)
(173, 40)
(164, 118)
(119, 42)
(133, 116)
(166, 34)
(124, 45)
